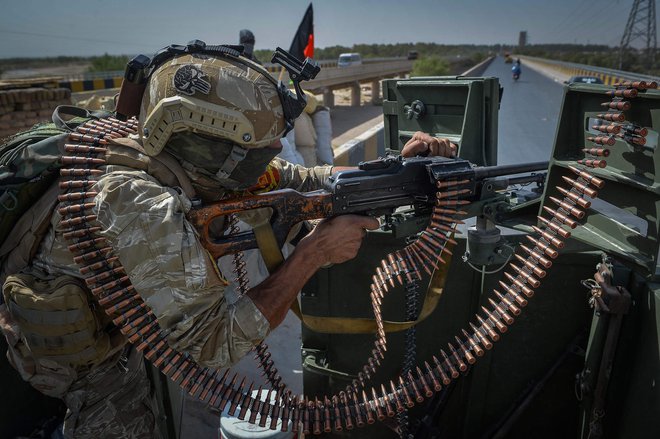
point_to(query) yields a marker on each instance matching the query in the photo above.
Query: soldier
(246, 39)
(144, 221)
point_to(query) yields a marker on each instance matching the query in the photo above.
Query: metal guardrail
(609, 76)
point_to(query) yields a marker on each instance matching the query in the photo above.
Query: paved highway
(528, 114)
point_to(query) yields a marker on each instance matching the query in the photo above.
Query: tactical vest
(57, 316)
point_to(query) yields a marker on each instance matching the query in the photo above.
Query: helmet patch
(189, 79)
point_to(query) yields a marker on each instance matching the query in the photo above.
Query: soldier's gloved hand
(427, 145)
(338, 239)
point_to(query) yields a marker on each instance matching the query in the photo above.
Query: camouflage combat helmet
(224, 97)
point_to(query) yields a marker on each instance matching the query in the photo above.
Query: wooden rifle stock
(289, 207)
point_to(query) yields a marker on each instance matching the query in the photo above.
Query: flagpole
(303, 39)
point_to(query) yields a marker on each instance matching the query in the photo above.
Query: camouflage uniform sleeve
(299, 177)
(146, 225)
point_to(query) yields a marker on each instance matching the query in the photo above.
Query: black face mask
(207, 155)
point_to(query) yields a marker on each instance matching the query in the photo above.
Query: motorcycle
(516, 72)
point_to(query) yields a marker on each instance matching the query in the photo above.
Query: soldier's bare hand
(425, 144)
(338, 239)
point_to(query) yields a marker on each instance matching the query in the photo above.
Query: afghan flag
(303, 42)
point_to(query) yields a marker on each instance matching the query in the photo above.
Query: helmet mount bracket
(298, 71)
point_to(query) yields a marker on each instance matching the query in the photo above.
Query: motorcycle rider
(516, 69)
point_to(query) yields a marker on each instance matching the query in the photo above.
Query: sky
(36, 28)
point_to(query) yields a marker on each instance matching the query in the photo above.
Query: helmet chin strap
(236, 156)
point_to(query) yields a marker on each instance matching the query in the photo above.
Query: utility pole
(640, 26)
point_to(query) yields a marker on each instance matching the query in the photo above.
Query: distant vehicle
(508, 59)
(413, 54)
(584, 80)
(516, 71)
(349, 60)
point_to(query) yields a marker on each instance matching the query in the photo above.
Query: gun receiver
(376, 188)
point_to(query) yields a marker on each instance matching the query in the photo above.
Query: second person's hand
(424, 144)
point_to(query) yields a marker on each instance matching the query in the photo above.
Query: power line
(640, 26)
(596, 20)
(567, 23)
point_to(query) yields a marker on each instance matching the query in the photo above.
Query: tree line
(433, 58)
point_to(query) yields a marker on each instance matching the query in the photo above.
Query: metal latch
(416, 109)
(315, 360)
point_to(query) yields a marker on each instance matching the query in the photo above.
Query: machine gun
(376, 188)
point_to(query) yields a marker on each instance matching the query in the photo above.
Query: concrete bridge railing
(608, 76)
(330, 78)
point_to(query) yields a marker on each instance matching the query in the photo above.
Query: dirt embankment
(65, 71)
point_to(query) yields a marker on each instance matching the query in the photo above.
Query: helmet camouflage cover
(230, 98)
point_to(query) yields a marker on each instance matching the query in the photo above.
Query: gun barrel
(497, 171)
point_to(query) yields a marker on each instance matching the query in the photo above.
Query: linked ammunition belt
(358, 404)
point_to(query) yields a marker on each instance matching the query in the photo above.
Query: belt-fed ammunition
(469, 358)
(614, 116)
(275, 414)
(302, 415)
(556, 228)
(369, 410)
(448, 364)
(348, 417)
(413, 385)
(377, 402)
(626, 93)
(487, 344)
(398, 397)
(617, 105)
(441, 371)
(472, 344)
(488, 327)
(561, 217)
(635, 140)
(542, 246)
(425, 385)
(636, 130)
(327, 426)
(550, 237)
(531, 266)
(546, 263)
(265, 409)
(357, 412)
(602, 140)
(517, 297)
(593, 163)
(434, 380)
(522, 273)
(609, 129)
(641, 85)
(519, 283)
(600, 152)
(337, 414)
(588, 178)
(495, 319)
